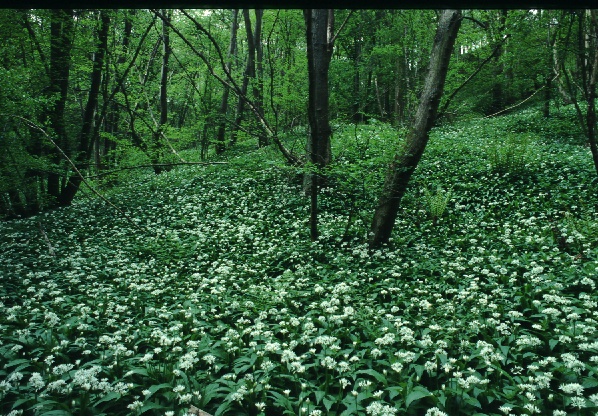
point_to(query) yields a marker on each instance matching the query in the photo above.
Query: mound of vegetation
(211, 295)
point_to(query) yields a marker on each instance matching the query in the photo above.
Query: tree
(587, 70)
(405, 162)
(220, 140)
(320, 44)
(86, 134)
(61, 41)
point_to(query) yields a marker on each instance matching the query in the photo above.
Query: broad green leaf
(328, 402)
(394, 391)
(378, 376)
(417, 393)
(319, 396)
(110, 396)
(150, 406)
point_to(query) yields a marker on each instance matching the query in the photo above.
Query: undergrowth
(216, 298)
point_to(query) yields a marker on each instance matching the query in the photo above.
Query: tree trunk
(220, 141)
(249, 73)
(591, 88)
(87, 128)
(157, 152)
(61, 41)
(258, 85)
(320, 44)
(404, 164)
(498, 93)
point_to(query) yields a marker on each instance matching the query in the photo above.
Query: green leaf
(212, 391)
(157, 387)
(319, 396)
(588, 382)
(20, 402)
(473, 401)
(394, 391)
(328, 402)
(138, 370)
(552, 343)
(223, 408)
(417, 393)
(149, 406)
(110, 396)
(19, 361)
(282, 401)
(378, 376)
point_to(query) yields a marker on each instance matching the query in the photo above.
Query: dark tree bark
(258, 85)
(404, 163)
(61, 41)
(157, 151)
(87, 128)
(320, 44)
(220, 141)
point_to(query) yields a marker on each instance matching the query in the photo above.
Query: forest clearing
(233, 211)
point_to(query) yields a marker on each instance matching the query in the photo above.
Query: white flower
(36, 381)
(434, 411)
(572, 388)
(379, 409)
(135, 405)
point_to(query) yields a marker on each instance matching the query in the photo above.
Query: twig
(50, 248)
(518, 104)
(449, 99)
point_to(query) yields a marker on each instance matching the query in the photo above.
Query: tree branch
(449, 99)
(31, 124)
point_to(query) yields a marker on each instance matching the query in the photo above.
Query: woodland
(298, 212)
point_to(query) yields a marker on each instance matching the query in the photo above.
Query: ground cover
(212, 295)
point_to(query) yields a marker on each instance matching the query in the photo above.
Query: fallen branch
(197, 412)
(99, 175)
(46, 239)
(479, 68)
(518, 104)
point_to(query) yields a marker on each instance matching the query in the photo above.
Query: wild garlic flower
(36, 381)
(572, 388)
(434, 411)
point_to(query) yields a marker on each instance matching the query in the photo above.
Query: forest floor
(210, 294)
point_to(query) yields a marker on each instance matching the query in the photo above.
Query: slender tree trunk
(592, 80)
(249, 73)
(320, 44)
(87, 128)
(157, 151)
(258, 85)
(404, 164)
(498, 93)
(220, 141)
(61, 41)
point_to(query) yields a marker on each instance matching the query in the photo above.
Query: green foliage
(510, 155)
(437, 202)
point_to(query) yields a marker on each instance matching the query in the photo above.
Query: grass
(221, 301)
